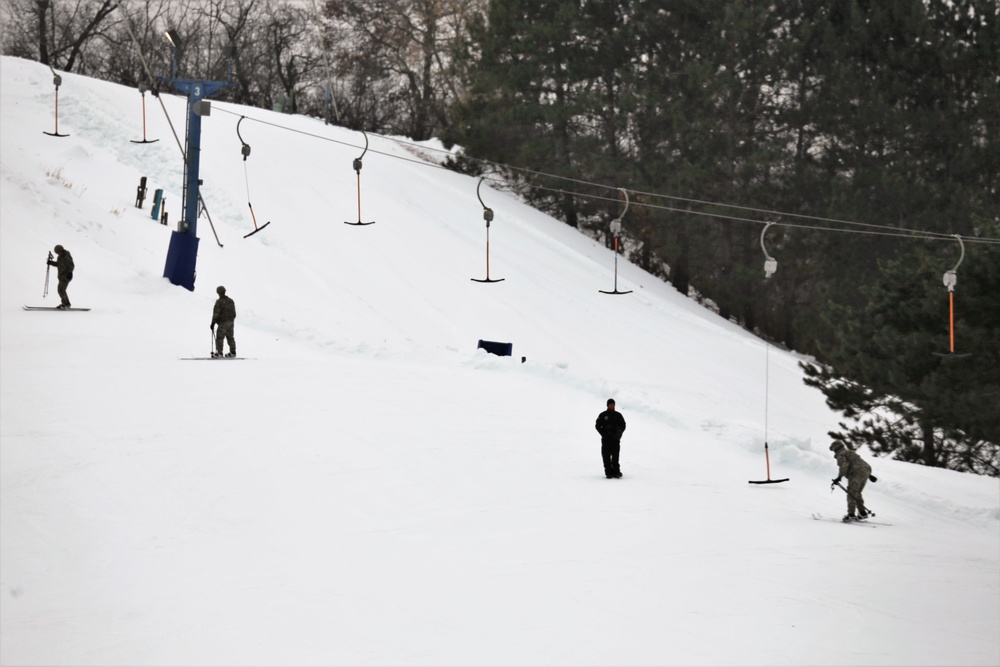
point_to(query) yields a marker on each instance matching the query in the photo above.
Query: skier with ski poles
(64, 272)
(858, 472)
(223, 315)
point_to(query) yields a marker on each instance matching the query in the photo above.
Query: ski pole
(48, 267)
(212, 350)
(856, 499)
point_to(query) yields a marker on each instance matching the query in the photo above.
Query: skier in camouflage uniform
(64, 272)
(224, 314)
(857, 471)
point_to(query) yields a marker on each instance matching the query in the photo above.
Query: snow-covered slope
(369, 488)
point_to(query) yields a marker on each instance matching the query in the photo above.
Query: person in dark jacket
(224, 315)
(64, 272)
(857, 471)
(610, 424)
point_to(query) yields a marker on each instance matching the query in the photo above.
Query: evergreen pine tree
(530, 91)
(892, 372)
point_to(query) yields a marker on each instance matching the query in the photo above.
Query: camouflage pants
(855, 485)
(225, 332)
(61, 289)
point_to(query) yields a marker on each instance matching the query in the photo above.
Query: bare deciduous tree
(395, 58)
(55, 34)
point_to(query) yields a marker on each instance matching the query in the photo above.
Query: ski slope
(369, 488)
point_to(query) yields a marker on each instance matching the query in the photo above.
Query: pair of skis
(54, 308)
(854, 522)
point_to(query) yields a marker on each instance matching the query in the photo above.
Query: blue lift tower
(182, 255)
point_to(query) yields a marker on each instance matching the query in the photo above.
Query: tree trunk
(929, 453)
(43, 33)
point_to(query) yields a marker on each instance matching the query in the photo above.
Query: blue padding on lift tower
(182, 257)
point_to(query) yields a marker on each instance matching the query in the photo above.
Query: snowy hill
(369, 487)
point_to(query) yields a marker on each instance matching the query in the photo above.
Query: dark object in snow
(494, 347)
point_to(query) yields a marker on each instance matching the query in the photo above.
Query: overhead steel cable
(863, 228)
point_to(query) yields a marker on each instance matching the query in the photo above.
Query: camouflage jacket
(851, 464)
(225, 310)
(64, 265)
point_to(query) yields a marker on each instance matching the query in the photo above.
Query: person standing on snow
(64, 272)
(224, 314)
(610, 424)
(857, 471)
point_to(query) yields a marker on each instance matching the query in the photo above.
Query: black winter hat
(611, 401)
(220, 290)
